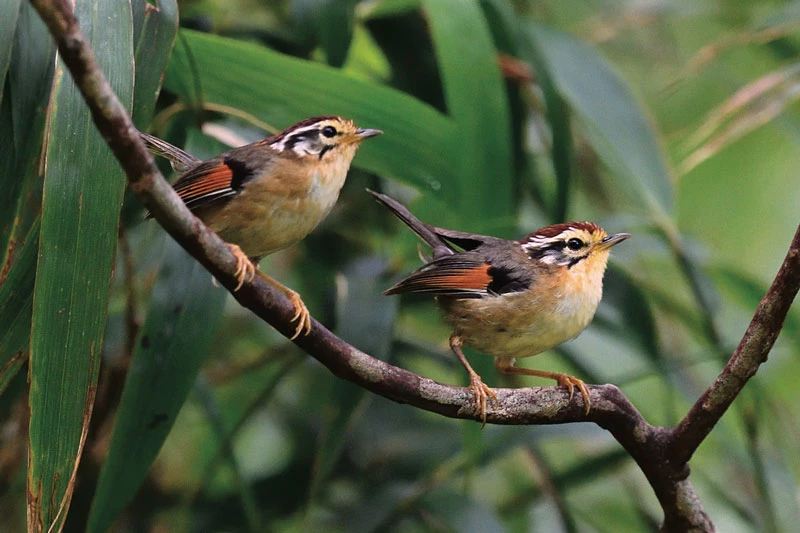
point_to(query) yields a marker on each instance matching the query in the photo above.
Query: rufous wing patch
(446, 280)
(476, 278)
(210, 181)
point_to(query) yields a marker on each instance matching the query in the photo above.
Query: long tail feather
(181, 161)
(425, 232)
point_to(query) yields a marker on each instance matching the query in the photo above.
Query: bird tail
(181, 161)
(425, 231)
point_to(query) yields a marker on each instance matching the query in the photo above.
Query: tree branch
(752, 351)
(650, 446)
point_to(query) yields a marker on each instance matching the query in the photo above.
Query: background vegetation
(672, 121)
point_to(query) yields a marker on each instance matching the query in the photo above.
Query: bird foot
(482, 392)
(570, 382)
(245, 271)
(301, 315)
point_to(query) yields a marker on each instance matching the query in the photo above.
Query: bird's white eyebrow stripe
(539, 242)
(294, 137)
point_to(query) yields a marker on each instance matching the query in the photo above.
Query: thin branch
(752, 351)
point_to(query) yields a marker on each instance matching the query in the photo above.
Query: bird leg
(245, 271)
(301, 314)
(481, 390)
(506, 366)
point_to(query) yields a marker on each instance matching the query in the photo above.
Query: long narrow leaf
(9, 10)
(184, 310)
(419, 146)
(155, 29)
(477, 102)
(82, 196)
(365, 320)
(15, 309)
(617, 125)
(22, 123)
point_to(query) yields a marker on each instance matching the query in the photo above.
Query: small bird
(511, 299)
(268, 195)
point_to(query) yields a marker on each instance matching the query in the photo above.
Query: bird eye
(329, 131)
(574, 244)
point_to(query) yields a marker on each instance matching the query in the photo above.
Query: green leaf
(82, 195)
(22, 122)
(155, 29)
(633, 318)
(419, 143)
(476, 101)
(748, 292)
(618, 126)
(9, 11)
(16, 306)
(333, 21)
(385, 8)
(365, 319)
(558, 118)
(182, 318)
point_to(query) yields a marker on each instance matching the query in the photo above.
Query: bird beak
(362, 133)
(611, 240)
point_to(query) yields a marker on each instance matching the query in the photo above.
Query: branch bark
(752, 351)
(661, 453)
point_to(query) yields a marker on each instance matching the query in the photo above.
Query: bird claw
(481, 392)
(245, 271)
(570, 382)
(301, 315)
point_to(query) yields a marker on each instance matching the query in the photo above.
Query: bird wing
(208, 182)
(463, 275)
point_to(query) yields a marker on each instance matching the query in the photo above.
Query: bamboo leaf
(181, 321)
(618, 127)
(419, 143)
(155, 29)
(82, 195)
(365, 320)
(476, 101)
(16, 307)
(9, 11)
(332, 21)
(22, 122)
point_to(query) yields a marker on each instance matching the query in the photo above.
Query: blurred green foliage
(675, 122)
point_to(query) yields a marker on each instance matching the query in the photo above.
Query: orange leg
(301, 314)
(506, 366)
(481, 390)
(245, 271)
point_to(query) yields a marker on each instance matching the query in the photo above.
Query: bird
(270, 194)
(511, 298)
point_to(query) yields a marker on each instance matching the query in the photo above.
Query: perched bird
(511, 299)
(270, 194)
